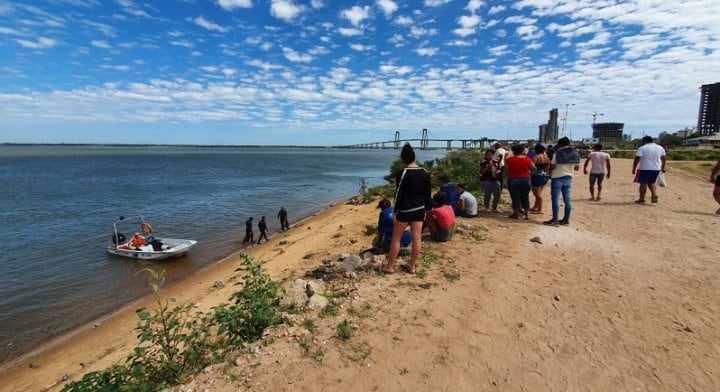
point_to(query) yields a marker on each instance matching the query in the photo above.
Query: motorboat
(143, 244)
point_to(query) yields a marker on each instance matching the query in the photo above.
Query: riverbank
(624, 298)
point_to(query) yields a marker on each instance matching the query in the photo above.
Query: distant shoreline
(158, 145)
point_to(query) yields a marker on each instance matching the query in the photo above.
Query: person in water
(262, 226)
(282, 215)
(249, 236)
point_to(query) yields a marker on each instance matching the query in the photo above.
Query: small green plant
(330, 310)
(309, 324)
(370, 230)
(404, 371)
(344, 330)
(255, 307)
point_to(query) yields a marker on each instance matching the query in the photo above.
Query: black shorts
(412, 216)
(717, 181)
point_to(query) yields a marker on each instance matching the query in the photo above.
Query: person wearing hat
(386, 225)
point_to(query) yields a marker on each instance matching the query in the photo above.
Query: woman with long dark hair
(518, 168)
(412, 199)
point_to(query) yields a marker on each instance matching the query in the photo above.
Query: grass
(344, 330)
(366, 311)
(330, 310)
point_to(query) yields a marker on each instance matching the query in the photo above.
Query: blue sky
(330, 72)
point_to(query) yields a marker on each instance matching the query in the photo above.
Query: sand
(625, 298)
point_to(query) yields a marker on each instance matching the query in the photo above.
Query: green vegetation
(176, 342)
(344, 330)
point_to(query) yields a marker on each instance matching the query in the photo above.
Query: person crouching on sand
(440, 221)
(412, 199)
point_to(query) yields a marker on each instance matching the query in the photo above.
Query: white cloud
(40, 43)
(435, 3)
(317, 4)
(418, 32)
(265, 66)
(361, 47)
(529, 32)
(100, 44)
(468, 23)
(403, 20)
(121, 68)
(348, 32)
(388, 7)
(132, 8)
(233, 4)
(496, 9)
(206, 24)
(429, 52)
(285, 10)
(356, 14)
(394, 69)
(295, 56)
(474, 5)
(9, 31)
(498, 50)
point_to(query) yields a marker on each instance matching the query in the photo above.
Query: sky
(321, 72)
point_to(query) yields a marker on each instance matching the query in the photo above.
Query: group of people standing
(263, 228)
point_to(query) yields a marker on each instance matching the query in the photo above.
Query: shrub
(255, 307)
(344, 330)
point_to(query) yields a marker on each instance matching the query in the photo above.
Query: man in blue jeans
(565, 160)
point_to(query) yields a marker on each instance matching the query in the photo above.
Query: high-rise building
(709, 113)
(548, 133)
(608, 131)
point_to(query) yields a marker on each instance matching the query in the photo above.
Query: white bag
(661, 180)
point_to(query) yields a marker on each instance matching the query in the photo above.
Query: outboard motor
(118, 239)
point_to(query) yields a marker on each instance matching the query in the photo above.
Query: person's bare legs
(416, 229)
(537, 207)
(592, 189)
(431, 225)
(653, 189)
(716, 195)
(599, 191)
(643, 191)
(398, 231)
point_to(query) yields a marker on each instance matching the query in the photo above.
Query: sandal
(408, 268)
(653, 199)
(383, 269)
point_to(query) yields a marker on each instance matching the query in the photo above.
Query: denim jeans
(491, 188)
(519, 193)
(558, 185)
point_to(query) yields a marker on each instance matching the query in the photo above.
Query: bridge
(424, 143)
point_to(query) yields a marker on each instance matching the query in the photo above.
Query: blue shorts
(537, 181)
(596, 177)
(647, 177)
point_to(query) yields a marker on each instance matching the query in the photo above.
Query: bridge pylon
(397, 139)
(424, 142)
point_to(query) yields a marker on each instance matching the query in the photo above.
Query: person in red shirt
(440, 221)
(518, 168)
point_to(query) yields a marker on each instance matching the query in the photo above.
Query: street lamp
(567, 105)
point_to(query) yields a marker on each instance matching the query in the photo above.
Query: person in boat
(249, 236)
(137, 241)
(262, 226)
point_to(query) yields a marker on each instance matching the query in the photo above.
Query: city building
(709, 113)
(608, 131)
(548, 133)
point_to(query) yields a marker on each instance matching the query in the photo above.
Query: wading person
(282, 215)
(715, 177)
(262, 227)
(600, 161)
(412, 199)
(249, 236)
(565, 160)
(649, 162)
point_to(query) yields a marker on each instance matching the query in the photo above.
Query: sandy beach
(625, 298)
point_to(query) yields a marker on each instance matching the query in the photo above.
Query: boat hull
(173, 247)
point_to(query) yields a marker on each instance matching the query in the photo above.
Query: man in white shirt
(599, 160)
(649, 162)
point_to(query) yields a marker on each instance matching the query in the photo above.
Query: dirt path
(625, 298)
